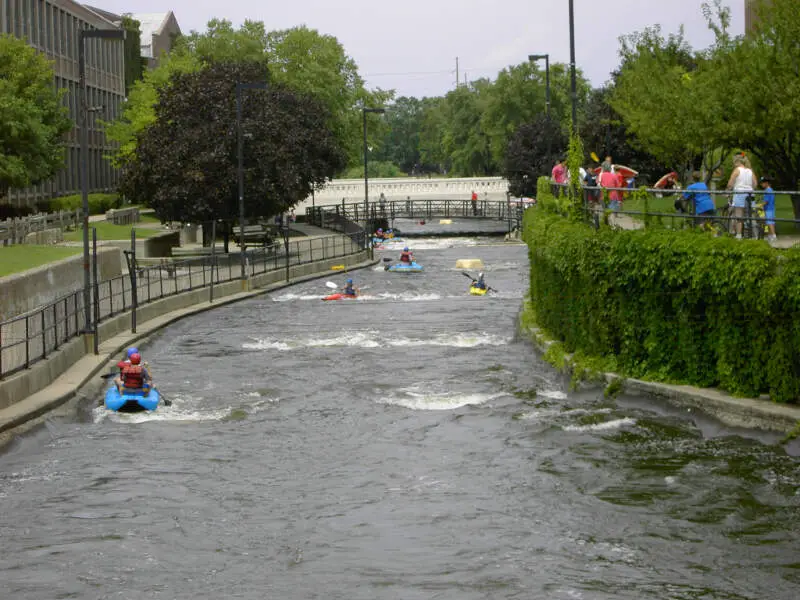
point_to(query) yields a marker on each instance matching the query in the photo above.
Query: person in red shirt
(474, 203)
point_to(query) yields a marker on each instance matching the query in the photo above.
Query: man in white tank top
(742, 182)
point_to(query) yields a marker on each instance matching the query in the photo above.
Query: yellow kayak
(476, 291)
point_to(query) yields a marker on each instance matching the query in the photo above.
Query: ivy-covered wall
(672, 306)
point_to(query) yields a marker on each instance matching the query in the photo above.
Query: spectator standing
(558, 176)
(769, 207)
(608, 179)
(742, 182)
(474, 203)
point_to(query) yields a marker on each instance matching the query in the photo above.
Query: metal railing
(31, 337)
(330, 216)
(598, 200)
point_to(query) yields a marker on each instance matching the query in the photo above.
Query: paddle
(595, 158)
(167, 401)
(331, 285)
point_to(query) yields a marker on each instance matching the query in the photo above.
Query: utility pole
(457, 81)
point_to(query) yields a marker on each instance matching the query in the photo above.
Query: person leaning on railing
(698, 194)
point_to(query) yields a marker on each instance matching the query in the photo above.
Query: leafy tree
(32, 118)
(520, 93)
(604, 133)
(186, 164)
(532, 152)
(762, 74)
(401, 141)
(300, 59)
(309, 62)
(668, 97)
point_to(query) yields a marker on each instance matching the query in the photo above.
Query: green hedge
(673, 306)
(98, 203)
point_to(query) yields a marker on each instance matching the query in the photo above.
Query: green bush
(376, 169)
(673, 306)
(98, 203)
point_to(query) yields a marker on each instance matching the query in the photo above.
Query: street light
(546, 57)
(240, 151)
(574, 90)
(366, 179)
(83, 109)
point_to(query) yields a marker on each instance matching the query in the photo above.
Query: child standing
(769, 207)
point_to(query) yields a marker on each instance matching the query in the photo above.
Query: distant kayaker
(379, 234)
(406, 256)
(348, 289)
(479, 283)
(134, 376)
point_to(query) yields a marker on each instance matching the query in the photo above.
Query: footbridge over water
(463, 217)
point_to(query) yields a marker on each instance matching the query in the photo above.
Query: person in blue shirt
(703, 202)
(769, 206)
(480, 282)
(348, 289)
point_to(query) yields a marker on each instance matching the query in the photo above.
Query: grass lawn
(15, 259)
(109, 231)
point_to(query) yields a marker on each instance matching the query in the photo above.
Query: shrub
(98, 203)
(674, 306)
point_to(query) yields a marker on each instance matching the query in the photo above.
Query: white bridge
(405, 188)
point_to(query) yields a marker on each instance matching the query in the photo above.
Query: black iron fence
(31, 337)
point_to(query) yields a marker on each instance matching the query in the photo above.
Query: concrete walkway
(85, 373)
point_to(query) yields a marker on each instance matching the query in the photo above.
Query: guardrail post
(132, 272)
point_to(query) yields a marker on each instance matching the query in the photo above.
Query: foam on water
(290, 297)
(613, 424)
(183, 410)
(414, 400)
(552, 394)
(375, 339)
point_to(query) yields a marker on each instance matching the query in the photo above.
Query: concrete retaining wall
(33, 289)
(18, 387)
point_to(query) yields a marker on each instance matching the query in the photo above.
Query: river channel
(405, 445)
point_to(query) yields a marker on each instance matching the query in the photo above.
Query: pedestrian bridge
(353, 217)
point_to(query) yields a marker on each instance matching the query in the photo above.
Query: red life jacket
(133, 376)
(405, 257)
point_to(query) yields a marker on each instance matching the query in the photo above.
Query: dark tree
(186, 165)
(533, 150)
(604, 133)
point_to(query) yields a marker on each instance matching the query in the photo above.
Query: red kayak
(340, 296)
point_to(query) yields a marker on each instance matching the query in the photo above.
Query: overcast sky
(411, 45)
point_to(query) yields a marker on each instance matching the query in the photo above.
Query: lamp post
(285, 234)
(573, 84)
(366, 110)
(83, 110)
(546, 57)
(240, 169)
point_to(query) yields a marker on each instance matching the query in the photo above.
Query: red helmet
(136, 358)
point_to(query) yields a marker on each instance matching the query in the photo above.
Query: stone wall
(23, 292)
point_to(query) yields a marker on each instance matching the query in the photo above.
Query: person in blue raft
(406, 256)
(134, 375)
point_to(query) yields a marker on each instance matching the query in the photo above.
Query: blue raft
(131, 400)
(404, 268)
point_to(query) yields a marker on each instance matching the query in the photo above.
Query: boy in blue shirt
(769, 207)
(703, 202)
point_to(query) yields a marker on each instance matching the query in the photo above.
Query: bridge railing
(331, 216)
